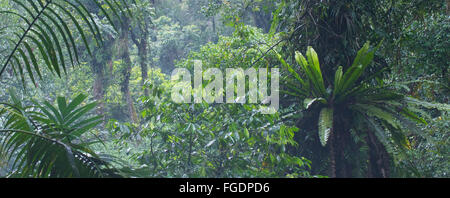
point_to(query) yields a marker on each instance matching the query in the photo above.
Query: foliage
(212, 140)
(427, 47)
(346, 111)
(429, 158)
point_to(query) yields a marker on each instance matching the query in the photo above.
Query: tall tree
(140, 35)
(101, 66)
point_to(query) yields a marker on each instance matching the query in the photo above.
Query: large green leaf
(314, 68)
(363, 58)
(338, 80)
(312, 71)
(291, 70)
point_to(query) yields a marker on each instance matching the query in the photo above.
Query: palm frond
(52, 27)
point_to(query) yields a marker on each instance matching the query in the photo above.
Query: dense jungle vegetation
(85, 88)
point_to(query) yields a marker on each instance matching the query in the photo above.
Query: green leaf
(34, 142)
(75, 102)
(291, 70)
(379, 113)
(337, 81)
(409, 114)
(429, 105)
(33, 59)
(363, 58)
(27, 65)
(314, 68)
(246, 133)
(276, 18)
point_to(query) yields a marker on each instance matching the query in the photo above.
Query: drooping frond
(429, 105)
(44, 140)
(49, 32)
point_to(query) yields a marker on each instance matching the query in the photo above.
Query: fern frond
(379, 113)
(429, 105)
(382, 135)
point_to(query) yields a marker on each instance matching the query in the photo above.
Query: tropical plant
(356, 103)
(44, 140)
(364, 119)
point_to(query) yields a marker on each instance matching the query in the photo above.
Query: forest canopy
(265, 88)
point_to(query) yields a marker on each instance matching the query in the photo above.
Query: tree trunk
(100, 70)
(139, 38)
(126, 69)
(332, 155)
(379, 166)
(142, 52)
(99, 89)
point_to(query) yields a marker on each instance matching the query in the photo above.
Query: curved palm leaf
(49, 28)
